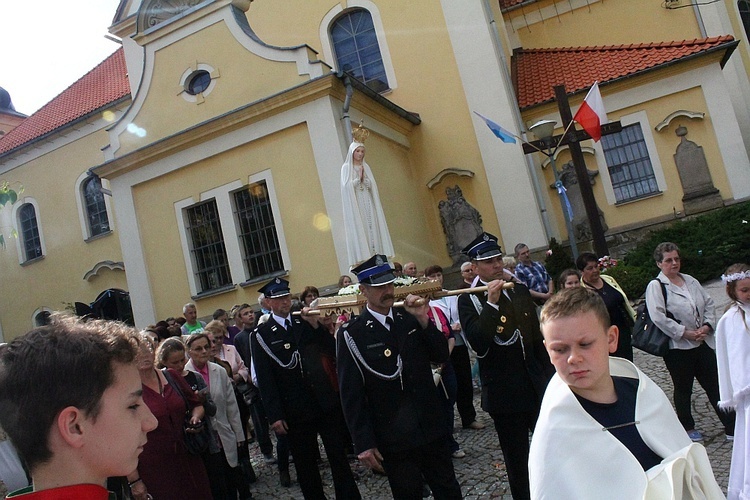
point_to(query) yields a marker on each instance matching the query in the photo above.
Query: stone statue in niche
(580, 220)
(698, 187)
(461, 222)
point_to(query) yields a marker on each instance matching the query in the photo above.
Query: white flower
(352, 289)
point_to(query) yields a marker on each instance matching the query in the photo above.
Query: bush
(633, 280)
(558, 261)
(708, 243)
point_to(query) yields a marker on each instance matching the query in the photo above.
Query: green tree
(8, 196)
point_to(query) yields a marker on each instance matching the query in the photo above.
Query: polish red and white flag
(591, 115)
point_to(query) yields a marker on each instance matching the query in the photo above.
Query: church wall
(598, 23)
(648, 100)
(57, 279)
(288, 155)
(241, 78)
(428, 82)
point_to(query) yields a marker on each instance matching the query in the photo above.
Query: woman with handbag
(226, 422)
(171, 355)
(620, 311)
(692, 343)
(166, 470)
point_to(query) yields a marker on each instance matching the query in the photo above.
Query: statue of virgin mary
(364, 221)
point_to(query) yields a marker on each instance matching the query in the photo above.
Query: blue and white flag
(499, 131)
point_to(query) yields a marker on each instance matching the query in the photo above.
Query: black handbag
(646, 335)
(248, 392)
(197, 437)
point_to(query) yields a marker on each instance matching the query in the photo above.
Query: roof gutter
(350, 80)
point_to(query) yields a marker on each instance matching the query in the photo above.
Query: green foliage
(633, 280)
(559, 260)
(708, 244)
(7, 194)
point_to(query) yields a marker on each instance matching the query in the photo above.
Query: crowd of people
(170, 412)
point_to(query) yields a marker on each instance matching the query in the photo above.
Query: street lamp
(543, 130)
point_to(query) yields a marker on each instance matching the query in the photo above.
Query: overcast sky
(46, 45)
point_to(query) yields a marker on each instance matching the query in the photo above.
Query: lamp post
(543, 130)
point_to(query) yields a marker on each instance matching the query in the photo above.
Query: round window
(198, 82)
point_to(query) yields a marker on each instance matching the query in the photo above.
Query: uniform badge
(387, 353)
(503, 319)
(500, 329)
(287, 346)
(368, 323)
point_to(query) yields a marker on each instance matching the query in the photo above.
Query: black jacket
(381, 413)
(513, 376)
(302, 393)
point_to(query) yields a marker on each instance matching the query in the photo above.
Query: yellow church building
(204, 156)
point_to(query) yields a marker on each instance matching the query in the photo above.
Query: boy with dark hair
(606, 430)
(70, 400)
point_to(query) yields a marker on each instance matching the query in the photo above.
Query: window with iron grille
(357, 51)
(629, 164)
(210, 262)
(257, 231)
(30, 239)
(96, 209)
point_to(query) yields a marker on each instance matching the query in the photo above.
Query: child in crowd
(570, 278)
(643, 452)
(733, 359)
(70, 400)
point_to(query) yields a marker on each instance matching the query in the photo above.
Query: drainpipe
(538, 193)
(699, 18)
(345, 110)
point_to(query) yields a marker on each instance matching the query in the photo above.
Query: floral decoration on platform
(607, 262)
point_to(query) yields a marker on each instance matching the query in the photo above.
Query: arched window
(744, 7)
(41, 317)
(356, 48)
(96, 209)
(31, 242)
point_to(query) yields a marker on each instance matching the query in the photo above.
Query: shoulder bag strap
(664, 293)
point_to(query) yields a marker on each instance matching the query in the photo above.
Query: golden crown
(360, 134)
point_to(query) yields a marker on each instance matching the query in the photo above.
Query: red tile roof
(536, 71)
(101, 86)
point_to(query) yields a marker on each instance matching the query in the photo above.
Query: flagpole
(584, 183)
(562, 136)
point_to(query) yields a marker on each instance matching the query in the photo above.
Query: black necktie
(287, 324)
(389, 322)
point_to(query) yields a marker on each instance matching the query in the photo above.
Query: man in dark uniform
(502, 328)
(387, 390)
(246, 319)
(298, 392)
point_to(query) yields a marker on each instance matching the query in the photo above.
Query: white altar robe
(571, 457)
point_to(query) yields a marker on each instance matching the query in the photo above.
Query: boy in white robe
(605, 430)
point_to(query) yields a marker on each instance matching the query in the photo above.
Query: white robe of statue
(364, 221)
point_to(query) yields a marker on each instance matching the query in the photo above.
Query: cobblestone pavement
(482, 472)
